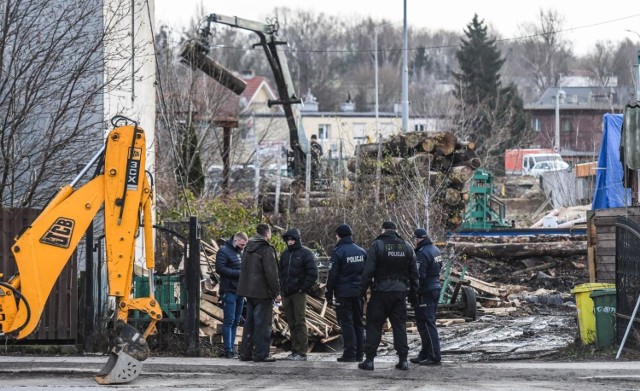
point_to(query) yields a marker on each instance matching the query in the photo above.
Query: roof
(236, 104)
(583, 98)
(254, 84)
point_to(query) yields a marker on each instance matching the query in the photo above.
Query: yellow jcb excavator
(43, 248)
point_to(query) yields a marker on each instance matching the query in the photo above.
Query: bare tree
(52, 56)
(544, 52)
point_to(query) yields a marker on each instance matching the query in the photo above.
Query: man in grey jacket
(259, 283)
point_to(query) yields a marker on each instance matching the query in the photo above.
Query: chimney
(247, 74)
(310, 103)
(349, 106)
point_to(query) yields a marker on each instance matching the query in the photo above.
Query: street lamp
(559, 94)
(405, 74)
(636, 70)
(375, 59)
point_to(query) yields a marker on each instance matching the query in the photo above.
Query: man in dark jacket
(345, 273)
(260, 285)
(429, 264)
(228, 260)
(391, 271)
(298, 273)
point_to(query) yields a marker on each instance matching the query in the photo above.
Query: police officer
(391, 272)
(429, 264)
(345, 273)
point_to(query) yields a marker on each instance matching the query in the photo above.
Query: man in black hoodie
(260, 285)
(298, 273)
(391, 272)
(345, 273)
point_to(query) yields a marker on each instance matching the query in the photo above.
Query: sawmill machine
(484, 210)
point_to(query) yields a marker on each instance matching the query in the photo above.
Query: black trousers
(349, 312)
(256, 335)
(383, 305)
(426, 319)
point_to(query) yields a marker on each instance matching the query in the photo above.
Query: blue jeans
(232, 312)
(256, 336)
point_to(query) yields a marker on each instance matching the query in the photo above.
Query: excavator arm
(42, 249)
(274, 51)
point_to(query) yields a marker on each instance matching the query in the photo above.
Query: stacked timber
(288, 191)
(444, 163)
(322, 322)
(518, 247)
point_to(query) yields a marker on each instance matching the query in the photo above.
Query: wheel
(469, 301)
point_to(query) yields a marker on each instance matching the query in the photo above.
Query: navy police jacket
(345, 269)
(429, 264)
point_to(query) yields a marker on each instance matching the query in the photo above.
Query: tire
(469, 301)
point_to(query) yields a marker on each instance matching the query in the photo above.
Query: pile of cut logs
(517, 247)
(445, 164)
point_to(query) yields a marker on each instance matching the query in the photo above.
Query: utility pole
(405, 74)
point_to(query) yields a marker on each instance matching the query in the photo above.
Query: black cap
(420, 233)
(344, 230)
(388, 225)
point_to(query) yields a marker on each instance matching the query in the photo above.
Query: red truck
(532, 161)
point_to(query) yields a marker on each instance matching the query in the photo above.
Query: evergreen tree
(489, 113)
(420, 64)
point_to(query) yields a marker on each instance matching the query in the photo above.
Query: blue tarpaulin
(610, 192)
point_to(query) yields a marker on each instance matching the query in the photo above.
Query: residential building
(580, 118)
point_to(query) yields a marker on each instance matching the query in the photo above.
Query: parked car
(549, 166)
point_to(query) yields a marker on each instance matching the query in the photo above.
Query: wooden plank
(606, 229)
(606, 237)
(591, 263)
(212, 310)
(604, 251)
(324, 309)
(615, 212)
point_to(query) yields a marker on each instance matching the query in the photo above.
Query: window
(419, 127)
(535, 124)
(566, 125)
(359, 130)
(323, 131)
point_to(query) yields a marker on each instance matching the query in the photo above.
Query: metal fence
(627, 280)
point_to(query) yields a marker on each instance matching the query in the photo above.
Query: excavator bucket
(125, 359)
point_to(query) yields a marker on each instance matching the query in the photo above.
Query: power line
(437, 47)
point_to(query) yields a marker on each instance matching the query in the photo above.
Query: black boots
(416, 360)
(367, 364)
(402, 363)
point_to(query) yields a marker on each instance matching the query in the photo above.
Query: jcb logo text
(59, 234)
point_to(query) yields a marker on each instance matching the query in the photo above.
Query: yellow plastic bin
(584, 304)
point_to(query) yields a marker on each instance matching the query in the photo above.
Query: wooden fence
(601, 241)
(59, 321)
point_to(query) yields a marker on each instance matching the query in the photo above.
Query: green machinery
(484, 210)
(169, 292)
